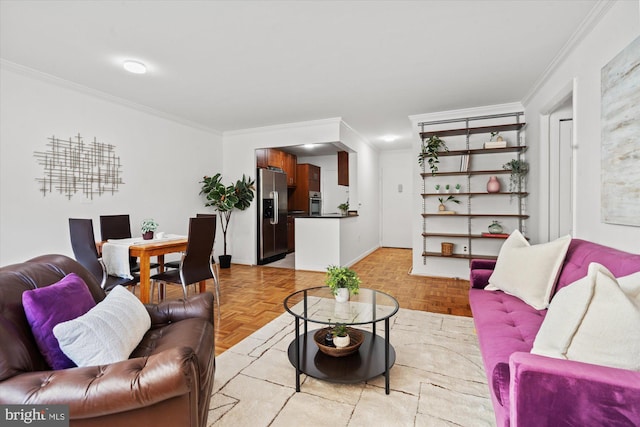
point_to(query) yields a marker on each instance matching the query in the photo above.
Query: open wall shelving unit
(467, 160)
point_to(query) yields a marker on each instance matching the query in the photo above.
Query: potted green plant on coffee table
(225, 199)
(340, 335)
(342, 281)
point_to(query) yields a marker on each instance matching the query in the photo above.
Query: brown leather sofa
(167, 380)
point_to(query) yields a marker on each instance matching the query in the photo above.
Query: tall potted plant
(225, 199)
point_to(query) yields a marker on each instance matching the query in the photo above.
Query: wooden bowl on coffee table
(355, 336)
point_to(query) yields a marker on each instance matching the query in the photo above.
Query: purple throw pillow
(46, 307)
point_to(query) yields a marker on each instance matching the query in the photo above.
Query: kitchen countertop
(325, 216)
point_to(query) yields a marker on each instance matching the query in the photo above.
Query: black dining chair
(195, 265)
(176, 264)
(84, 249)
(119, 227)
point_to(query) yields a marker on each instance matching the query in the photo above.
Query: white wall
(396, 170)
(240, 146)
(162, 164)
(580, 69)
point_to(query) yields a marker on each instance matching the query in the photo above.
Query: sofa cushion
(593, 320)
(50, 305)
(529, 272)
(504, 324)
(107, 333)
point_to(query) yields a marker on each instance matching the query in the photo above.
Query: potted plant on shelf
(340, 335)
(442, 208)
(429, 150)
(342, 281)
(225, 199)
(344, 208)
(519, 169)
(147, 227)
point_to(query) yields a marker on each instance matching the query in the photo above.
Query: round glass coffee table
(317, 305)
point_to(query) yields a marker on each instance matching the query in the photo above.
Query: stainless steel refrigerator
(272, 215)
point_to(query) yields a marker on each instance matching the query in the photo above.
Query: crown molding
(67, 84)
(591, 20)
(511, 107)
(284, 126)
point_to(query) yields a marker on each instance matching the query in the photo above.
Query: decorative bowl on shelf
(357, 337)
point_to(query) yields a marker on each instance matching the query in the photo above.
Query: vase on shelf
(493, 185)
(495, 228)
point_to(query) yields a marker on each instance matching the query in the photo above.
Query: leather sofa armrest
(481, 270)
(195, 306)
(96, 391)
(571, 393)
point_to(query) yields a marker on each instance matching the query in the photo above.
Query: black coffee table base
(366, 363)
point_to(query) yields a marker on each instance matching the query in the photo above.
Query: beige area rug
(437, 380)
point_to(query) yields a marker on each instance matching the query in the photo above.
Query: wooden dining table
(158, 248)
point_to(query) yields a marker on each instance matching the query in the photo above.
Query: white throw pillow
(594, 320)
(107, 333)
(528, 272)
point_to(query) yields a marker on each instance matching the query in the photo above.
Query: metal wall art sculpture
(71, 166)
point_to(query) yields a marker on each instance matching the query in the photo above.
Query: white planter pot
(342, 295)
(341, 342)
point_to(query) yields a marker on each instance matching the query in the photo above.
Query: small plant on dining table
(147, 227)
(148, 224)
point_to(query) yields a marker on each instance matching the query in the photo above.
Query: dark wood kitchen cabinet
(273, 157)
(308, 178)
(343, 168)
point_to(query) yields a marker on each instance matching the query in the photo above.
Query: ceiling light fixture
(135, 67)
(389, 138)
(309, 146)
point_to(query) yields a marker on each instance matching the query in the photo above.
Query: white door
(565, 192)
(396, 175)
(561, 172)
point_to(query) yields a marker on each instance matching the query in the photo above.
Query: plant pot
(342, 295)
(148, 235)
(225, 261)
(341, 342)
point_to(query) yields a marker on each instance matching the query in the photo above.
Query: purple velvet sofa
(533, 390)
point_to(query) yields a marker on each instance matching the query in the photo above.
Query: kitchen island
(324, 240)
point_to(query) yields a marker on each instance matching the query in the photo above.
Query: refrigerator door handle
(274, 196)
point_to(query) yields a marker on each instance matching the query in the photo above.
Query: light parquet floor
(252, 296)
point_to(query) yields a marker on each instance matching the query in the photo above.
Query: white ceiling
(230, 65)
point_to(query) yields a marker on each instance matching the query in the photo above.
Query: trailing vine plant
(429, 150)
(519, 169)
